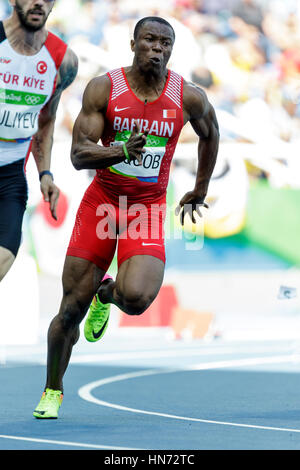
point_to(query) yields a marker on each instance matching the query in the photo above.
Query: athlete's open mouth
(155, 60)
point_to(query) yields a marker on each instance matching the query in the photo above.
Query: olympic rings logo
(152, 141)
(32, 100)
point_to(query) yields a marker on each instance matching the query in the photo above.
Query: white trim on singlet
(119, 85)
(173, 90)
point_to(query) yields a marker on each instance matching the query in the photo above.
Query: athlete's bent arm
(43, 139)
(202, 117)
(88, 129)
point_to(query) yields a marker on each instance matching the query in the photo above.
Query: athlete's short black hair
(158, 19)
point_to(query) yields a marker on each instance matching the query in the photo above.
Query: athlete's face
(33, 14)
(153, 47)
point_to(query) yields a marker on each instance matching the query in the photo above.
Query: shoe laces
(51, 394)
(98, 310)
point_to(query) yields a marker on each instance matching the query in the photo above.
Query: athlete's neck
(146, 86)
(21, 39)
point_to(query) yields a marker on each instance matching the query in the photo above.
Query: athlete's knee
(71, 312)
(6, 261)
(77, 294)
(136, 301)
(3, 271)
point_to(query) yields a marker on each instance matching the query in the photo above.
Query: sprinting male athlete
(138, 113)
(35, 67)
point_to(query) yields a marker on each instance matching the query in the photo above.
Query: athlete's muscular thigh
(81, 279)
(138, 281)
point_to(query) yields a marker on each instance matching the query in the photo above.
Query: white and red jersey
(163, 118)
(26, 85)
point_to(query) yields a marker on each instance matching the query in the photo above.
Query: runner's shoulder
(194, 99)
(68, 69)
(70, 58)
(97, 92)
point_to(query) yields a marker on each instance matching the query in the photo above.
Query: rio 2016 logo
(42, 67)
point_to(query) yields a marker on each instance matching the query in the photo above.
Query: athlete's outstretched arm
(43, 139)
(88, 129)
(202, 117)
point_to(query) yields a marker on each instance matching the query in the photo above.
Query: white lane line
(250, 361)
(85, 392)
(151, 354)
(64, 443)
(126, 355)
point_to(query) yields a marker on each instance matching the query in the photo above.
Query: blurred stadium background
(243, 282)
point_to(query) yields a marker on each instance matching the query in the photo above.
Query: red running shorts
(102, 226)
